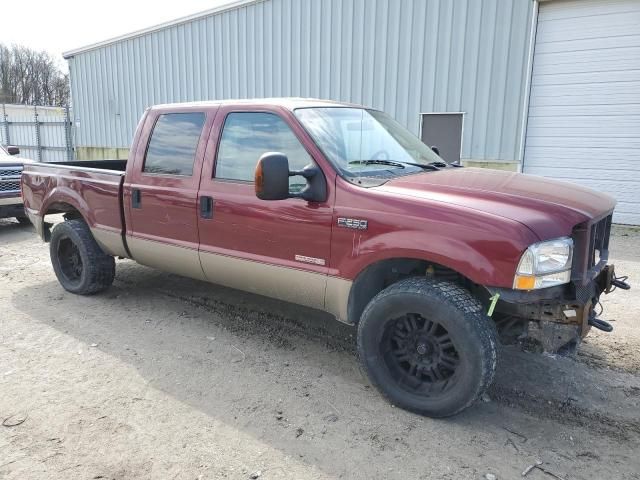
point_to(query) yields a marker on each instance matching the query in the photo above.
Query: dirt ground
(162, 377)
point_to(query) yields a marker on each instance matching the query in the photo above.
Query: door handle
(136, 198)
(206, 207)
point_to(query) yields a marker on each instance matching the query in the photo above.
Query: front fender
(483, 256)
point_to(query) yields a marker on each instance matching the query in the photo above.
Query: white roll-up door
(584, 109)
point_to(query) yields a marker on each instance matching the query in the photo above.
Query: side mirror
(436, 150)
(272, 179)
(11, 150)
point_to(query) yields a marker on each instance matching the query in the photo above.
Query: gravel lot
(163, 377)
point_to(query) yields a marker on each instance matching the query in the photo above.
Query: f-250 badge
(354, 223)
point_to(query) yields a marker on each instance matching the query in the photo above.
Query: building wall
(402, 56)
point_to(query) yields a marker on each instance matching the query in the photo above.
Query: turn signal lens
(259, 179)
(524, 282)
(528, 282)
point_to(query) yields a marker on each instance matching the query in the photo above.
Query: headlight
(545, 264)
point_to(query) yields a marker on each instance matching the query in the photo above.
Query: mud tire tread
(477, 326)
(99, 269)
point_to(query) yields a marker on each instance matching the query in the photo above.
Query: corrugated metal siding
(402, 56)
(23, 133)
(13, 109)
(584, 114)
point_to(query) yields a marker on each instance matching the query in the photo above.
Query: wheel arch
(378, 275)
(70, 209)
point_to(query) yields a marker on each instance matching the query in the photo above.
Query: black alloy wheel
(70, 260)
(421, 353)
(428, 346)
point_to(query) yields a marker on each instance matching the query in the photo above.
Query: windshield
(362, 142)
(3, 152)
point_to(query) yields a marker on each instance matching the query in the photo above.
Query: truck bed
(92, 189)
(115, 165)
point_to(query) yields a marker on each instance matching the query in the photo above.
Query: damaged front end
(555, 319)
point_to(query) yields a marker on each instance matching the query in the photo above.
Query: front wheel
(78, 261)
(427, 345)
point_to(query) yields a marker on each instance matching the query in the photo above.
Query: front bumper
(556, 319)
(14, 200)
(11, 207)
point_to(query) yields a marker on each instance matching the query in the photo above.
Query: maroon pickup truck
(339, 208)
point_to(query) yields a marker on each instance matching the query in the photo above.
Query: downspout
(527, 88)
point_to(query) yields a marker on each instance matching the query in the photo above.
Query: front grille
(599, 241)
(10, 186)
(10, 179)
(591, 249)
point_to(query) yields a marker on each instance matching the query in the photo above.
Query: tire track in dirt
(281, 331)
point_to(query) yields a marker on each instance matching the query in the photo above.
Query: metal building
(548, 87)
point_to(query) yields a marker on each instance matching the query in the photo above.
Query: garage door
(584, 113)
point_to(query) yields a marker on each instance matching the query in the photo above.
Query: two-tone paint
(472, 221)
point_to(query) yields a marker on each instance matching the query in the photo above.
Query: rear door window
(246, 136)
(173, 144)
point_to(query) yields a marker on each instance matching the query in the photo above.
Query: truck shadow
(11, 230)
(273, 369)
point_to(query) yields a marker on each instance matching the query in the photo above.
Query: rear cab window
(246, 136)
(173, 144)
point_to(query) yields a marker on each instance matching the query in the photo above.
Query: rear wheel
(427, 345)
(79, 263)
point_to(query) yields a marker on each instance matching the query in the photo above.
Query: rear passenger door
(274, 248)
(162, 193)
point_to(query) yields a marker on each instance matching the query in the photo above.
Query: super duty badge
(354, 223)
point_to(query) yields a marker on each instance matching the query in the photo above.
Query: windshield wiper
(425, 166)
(399, 164)
(438, 163)
(377, 162)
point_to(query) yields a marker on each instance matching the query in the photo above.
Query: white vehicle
(10, 172)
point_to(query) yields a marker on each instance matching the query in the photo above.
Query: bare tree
(31, 77)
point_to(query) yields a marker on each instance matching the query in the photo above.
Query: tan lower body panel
(110, 242)
(288, 284)
(169, 258)
(302, 287)
(337, 297)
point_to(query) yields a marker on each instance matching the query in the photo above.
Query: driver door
(275, 248)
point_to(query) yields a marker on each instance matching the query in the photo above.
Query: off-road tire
(23, 220)
(97, 269)
(459, 314)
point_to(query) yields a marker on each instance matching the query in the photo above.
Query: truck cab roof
(289, 103)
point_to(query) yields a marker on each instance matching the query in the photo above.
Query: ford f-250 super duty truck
(339, 208)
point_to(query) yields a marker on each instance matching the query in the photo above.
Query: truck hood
(550, 208)
(13, 160)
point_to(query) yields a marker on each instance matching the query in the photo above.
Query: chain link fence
(44, 135)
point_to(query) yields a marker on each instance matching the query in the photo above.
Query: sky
(61, 25)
